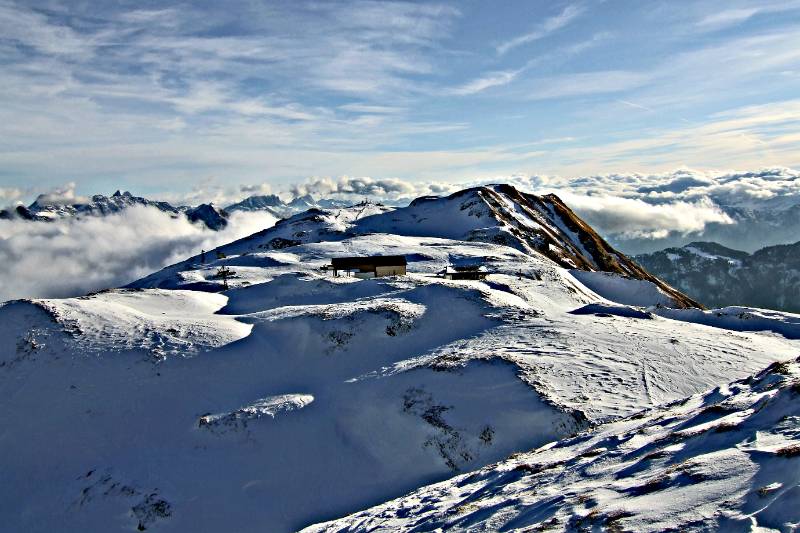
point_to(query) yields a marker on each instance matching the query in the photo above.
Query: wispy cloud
(727, 17)
(585, 83)
(634, 105)
(544, 29)
(33, 29)
(491, 79)
(168, 58)
(147, 77)
(752, 136)
(374, 109)
(734, 14)
(500, 78)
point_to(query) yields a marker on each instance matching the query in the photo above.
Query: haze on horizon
(191, 102)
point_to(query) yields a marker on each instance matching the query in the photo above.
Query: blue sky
(200, 100)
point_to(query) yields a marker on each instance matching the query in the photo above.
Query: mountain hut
(465, 272)
(370, 267)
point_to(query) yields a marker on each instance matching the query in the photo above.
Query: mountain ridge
(274, 205)
(44, 210)
(497, 214)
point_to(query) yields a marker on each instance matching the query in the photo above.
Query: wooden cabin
(371, 266)
(465, 272)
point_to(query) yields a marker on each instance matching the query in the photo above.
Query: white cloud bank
(62, 195)
(631, 217)
(10, 195)
(637, 205)
(653, 205)
(375, 189)
(74, 256)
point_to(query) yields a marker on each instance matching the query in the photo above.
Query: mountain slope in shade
(209, 215)
(719, 276)
(500, 214)
(21, 212)
(726, 460)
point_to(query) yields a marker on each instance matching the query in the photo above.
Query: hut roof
(342, 263)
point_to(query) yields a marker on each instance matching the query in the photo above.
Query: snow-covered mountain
(272, 204)
(494, 214)
(720, 276)
(295, 397)
(42, 210)
(269, 202)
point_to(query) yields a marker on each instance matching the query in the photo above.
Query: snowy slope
(291, 412)
(498, 214)
(726, 460)
(182, 410)
(295, 398)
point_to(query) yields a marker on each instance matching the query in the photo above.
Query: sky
(199, 101)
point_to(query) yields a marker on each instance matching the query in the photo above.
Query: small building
(370, 267)
(465, 272)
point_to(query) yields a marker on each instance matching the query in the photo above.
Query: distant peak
(305, 198)
(40, 200)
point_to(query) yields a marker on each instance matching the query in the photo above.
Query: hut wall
(397, 270)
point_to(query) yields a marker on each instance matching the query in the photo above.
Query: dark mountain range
(719, 276)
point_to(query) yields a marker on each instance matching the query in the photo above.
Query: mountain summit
(497, 214)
